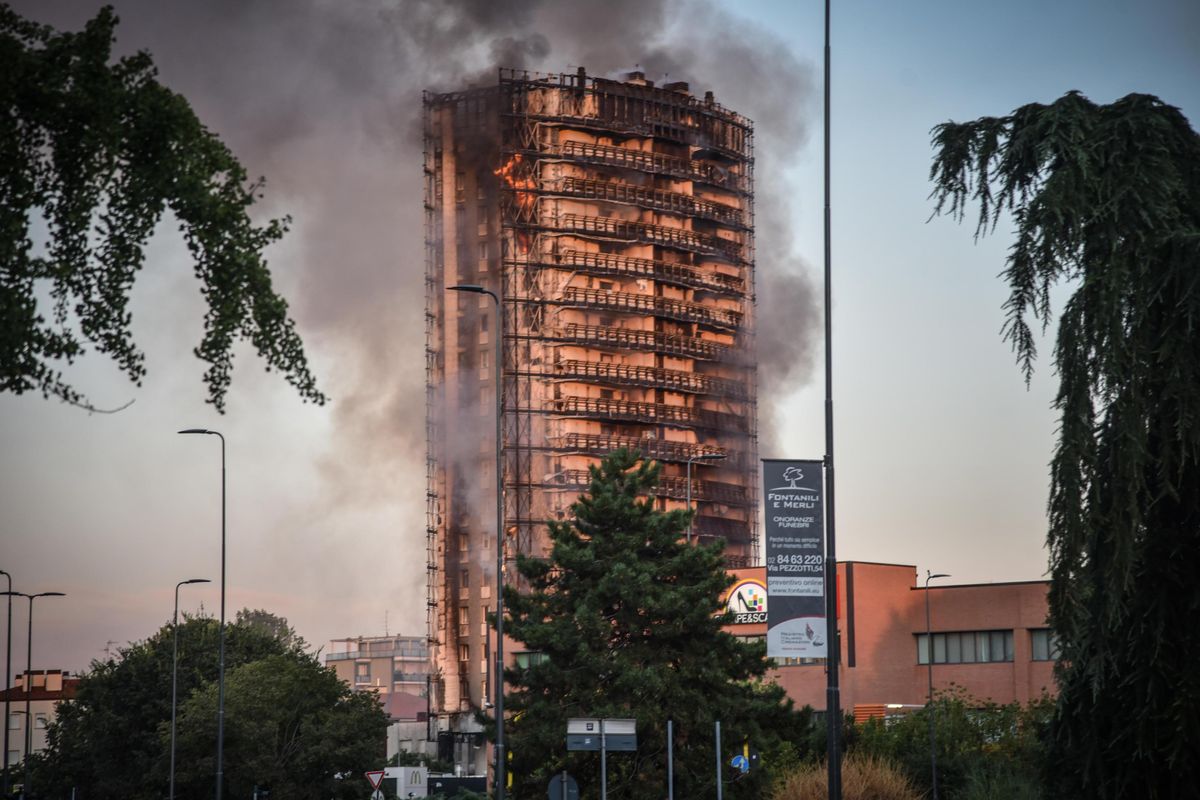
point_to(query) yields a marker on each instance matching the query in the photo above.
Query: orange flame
(524, 187)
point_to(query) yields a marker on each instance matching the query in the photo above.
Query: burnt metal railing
(635, 411)
(659, 377)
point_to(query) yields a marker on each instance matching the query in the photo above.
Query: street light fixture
(175, 673)
(221, 635)
(500, 764)
(28, 685)
(690, 461)
(7, 676)
(929, 663)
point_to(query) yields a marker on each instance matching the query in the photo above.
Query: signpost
(375, 778)
(563, 787)
(586, 733)
(794, 501)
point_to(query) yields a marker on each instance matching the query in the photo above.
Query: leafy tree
(979, 744)
(291, 726)
(99, 150)
(1106, 198)
(626, 621)
(108, 742)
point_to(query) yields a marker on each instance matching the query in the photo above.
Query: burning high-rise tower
(614, 219)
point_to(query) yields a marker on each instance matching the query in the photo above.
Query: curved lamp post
(690, 461)
(500, 764)
(221, 636)
(175, 674)
(28, 683)
(929, 662)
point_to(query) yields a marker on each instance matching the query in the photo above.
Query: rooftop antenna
(385, 623)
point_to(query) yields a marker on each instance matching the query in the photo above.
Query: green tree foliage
(291, 726)
(112, 741)
(626, 619)
(98, 150)
(1106, 199)
(984, 749)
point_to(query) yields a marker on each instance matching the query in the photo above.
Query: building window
(362, 672)
(464, 652)
(460, 187)
(14, 757)
(525, 660)
(482, 220)
(14, 721)
(966, 647)
(1044, 644)
(40, 722)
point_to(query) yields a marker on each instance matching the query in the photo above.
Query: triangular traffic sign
(375, 777)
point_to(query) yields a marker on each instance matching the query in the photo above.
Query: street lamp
(221, 635)
(690, 461)
(476, 289)
(175, 673)
(28, 684)
(929, 662)
(7, 676)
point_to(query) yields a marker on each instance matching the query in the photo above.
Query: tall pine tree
(1106, 199)
(625, 620)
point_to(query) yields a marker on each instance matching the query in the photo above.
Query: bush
(863, 778)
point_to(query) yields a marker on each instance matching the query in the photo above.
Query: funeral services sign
(794, 501)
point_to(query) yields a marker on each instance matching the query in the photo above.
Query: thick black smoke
(324, 98)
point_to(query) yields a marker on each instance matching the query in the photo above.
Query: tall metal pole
(221, 635)
(7, 677)
(833, 703)
(175, 676)
(929, 663)
(670, 760)
(500, 763)
(719, 787)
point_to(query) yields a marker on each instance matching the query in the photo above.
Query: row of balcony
(652, 413)
(647, 197)
(665, 307)
(628, 266)
(658, 449)
(651, 163)
(730, 494)
(654, 377)
(647, 233)
(628, 339)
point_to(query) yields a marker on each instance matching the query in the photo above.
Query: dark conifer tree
(623, 619)
(1106, 200)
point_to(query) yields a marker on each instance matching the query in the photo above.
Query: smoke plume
(324, 99)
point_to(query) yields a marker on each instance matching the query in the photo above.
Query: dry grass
(863, 778)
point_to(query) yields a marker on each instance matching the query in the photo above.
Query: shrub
(863, 778)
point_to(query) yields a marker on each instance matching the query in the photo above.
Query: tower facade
(614, 219)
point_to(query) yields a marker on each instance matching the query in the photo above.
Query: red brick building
(990, 639)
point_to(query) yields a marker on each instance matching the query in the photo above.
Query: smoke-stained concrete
(323, 98)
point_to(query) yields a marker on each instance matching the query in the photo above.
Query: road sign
(375, 777)
(563, 787)
(740, 763)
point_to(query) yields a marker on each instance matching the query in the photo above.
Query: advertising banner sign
(794, 500)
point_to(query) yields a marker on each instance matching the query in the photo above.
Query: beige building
(383, 664)
(614, 219)
(48, 689)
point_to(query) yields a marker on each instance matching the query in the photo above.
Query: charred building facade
(614, 219)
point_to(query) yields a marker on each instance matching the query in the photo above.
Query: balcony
(644, 232)
(655, 377)
(645, 197)
(606, 264)
(661, 413)
(658, 449)
(648, 304)
(652, 163)
(626, 339)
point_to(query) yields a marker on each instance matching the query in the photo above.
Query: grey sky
(942, 451)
